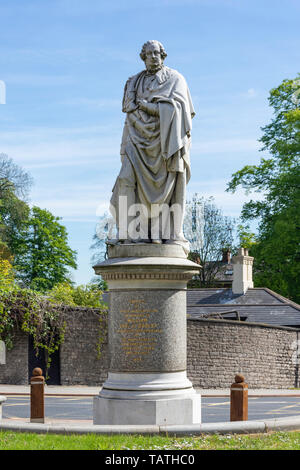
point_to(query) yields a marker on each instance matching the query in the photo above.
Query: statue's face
(153, 60)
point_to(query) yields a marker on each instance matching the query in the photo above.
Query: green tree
(277, 178)
(43, 255)
(245, 237)
(87, 295)
(14, 215)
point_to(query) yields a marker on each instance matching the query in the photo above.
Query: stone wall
(15, 371)
(79, 359)
(218, 349)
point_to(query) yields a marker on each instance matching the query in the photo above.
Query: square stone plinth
(158, 412)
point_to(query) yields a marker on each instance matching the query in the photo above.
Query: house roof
(225, 274)
(260, 305)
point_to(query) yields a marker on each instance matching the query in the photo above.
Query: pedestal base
(147, 383)
(157, 412)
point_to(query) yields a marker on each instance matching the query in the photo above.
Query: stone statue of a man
(149, 194)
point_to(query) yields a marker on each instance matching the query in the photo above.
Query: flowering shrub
(6, 275)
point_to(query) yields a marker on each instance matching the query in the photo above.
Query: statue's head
(153, 54)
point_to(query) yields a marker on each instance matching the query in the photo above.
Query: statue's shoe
(156, 242)
(113, 241)
(183, 242)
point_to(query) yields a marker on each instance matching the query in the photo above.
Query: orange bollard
(239, 399)
(37, 402)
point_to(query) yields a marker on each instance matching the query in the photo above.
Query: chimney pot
(242, 272)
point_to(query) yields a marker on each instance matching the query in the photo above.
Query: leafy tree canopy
(277, 178)
(32, 239)
(43, 256)
(87, 295)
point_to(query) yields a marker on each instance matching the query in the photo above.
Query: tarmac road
(214, 409)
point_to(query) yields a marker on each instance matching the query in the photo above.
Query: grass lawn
(271, 441)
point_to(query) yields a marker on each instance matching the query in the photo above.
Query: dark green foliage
(43, 256)
(33, 239)
(277, 247)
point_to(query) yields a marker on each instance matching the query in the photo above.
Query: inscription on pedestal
(138, 332)
(143, 335)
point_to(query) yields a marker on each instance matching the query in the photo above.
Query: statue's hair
(161, 47)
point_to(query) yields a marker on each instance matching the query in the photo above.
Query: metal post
(37, 404)
(239, 399)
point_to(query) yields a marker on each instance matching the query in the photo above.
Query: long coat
(157, 147)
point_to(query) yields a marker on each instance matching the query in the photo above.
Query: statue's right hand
(152, 127)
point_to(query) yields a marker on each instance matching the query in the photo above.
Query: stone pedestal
(147, 381)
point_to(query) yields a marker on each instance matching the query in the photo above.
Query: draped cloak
(157, 147)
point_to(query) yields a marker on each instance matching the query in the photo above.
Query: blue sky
(65, 63)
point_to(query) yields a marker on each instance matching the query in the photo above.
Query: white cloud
(76, 201)
(64, 153)
(250, 93)
(73, 200)
(49, 132)
(82, 146)
(72, 55)
(226, 146)
(42, 148)
(230, 203)
(92, 103)
(79, 202)
(39, 80)
(98, 147)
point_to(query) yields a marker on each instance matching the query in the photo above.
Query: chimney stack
(242, 272)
